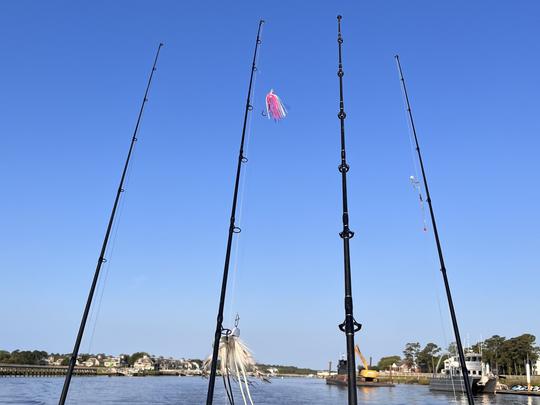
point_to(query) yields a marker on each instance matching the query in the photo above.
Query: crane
(366, 373)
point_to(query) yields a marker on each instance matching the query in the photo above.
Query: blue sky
(72, 80)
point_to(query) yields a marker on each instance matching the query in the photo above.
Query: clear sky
(72, 78)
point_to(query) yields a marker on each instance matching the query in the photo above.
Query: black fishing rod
(461, 353)
(101, 259)
(349, 326)
(232, 228)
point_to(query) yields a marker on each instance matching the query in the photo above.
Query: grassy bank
(511, 380)
(422, 380)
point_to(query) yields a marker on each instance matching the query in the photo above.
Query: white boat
(450, 378)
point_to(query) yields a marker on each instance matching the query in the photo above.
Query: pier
(526, 393)
(20, 370)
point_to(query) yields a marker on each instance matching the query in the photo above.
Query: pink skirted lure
(274, 107)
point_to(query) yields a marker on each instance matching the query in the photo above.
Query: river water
(192, 390)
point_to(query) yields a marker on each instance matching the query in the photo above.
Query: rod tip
(261, 21)
(161, 44)
(396, 56)
(339, 17)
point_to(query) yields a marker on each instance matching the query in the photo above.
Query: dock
(526, 393)
(20, 370)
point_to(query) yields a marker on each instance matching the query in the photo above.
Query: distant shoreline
(25, 370)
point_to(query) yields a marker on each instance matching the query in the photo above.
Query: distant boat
(450, 379)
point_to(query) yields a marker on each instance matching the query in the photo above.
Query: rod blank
(101, 259)
(349, 325)
(464, 372)
(232, 229)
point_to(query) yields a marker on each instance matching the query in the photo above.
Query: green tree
(386, 362)
(452, 349)
(410, 354)
(4, 356)
(136, 356)
(507, 356)
(124, 359)
(516, 351)
(427, 358)
(492, 352)
(27, 357)
(84, 357)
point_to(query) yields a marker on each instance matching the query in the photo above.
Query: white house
(91, 362)
(144, 363)
(111, 362)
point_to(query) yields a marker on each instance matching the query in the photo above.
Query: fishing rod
(101, 259)
(464, 372)
(349, 326)
(232, 229)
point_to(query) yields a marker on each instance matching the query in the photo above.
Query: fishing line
(100, 290)
(102, 282)
(415, 180)
(410, 134)
(249, 134)
(418, 187)
(443, 327)
(110, 254)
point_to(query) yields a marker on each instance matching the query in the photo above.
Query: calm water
(192, 390)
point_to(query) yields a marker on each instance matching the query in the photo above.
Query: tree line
(508, 356)
(504, 356)
(415, 358)
(287, 369)
(34, 357)
(39, 357)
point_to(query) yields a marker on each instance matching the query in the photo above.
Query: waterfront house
(274, 371)
(53, 360)
(404, 368)
(168, 364)
(145, 363)
(192, 365)
(111, 362)
(91, 362)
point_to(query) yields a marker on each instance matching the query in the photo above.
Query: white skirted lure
(274, 107)
(236, 360)
(416, 184)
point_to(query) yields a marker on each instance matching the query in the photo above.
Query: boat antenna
(461, 354)
(349, 326)
(101, 259)
(232, 228)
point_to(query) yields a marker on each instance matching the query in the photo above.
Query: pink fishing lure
(274, 107)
